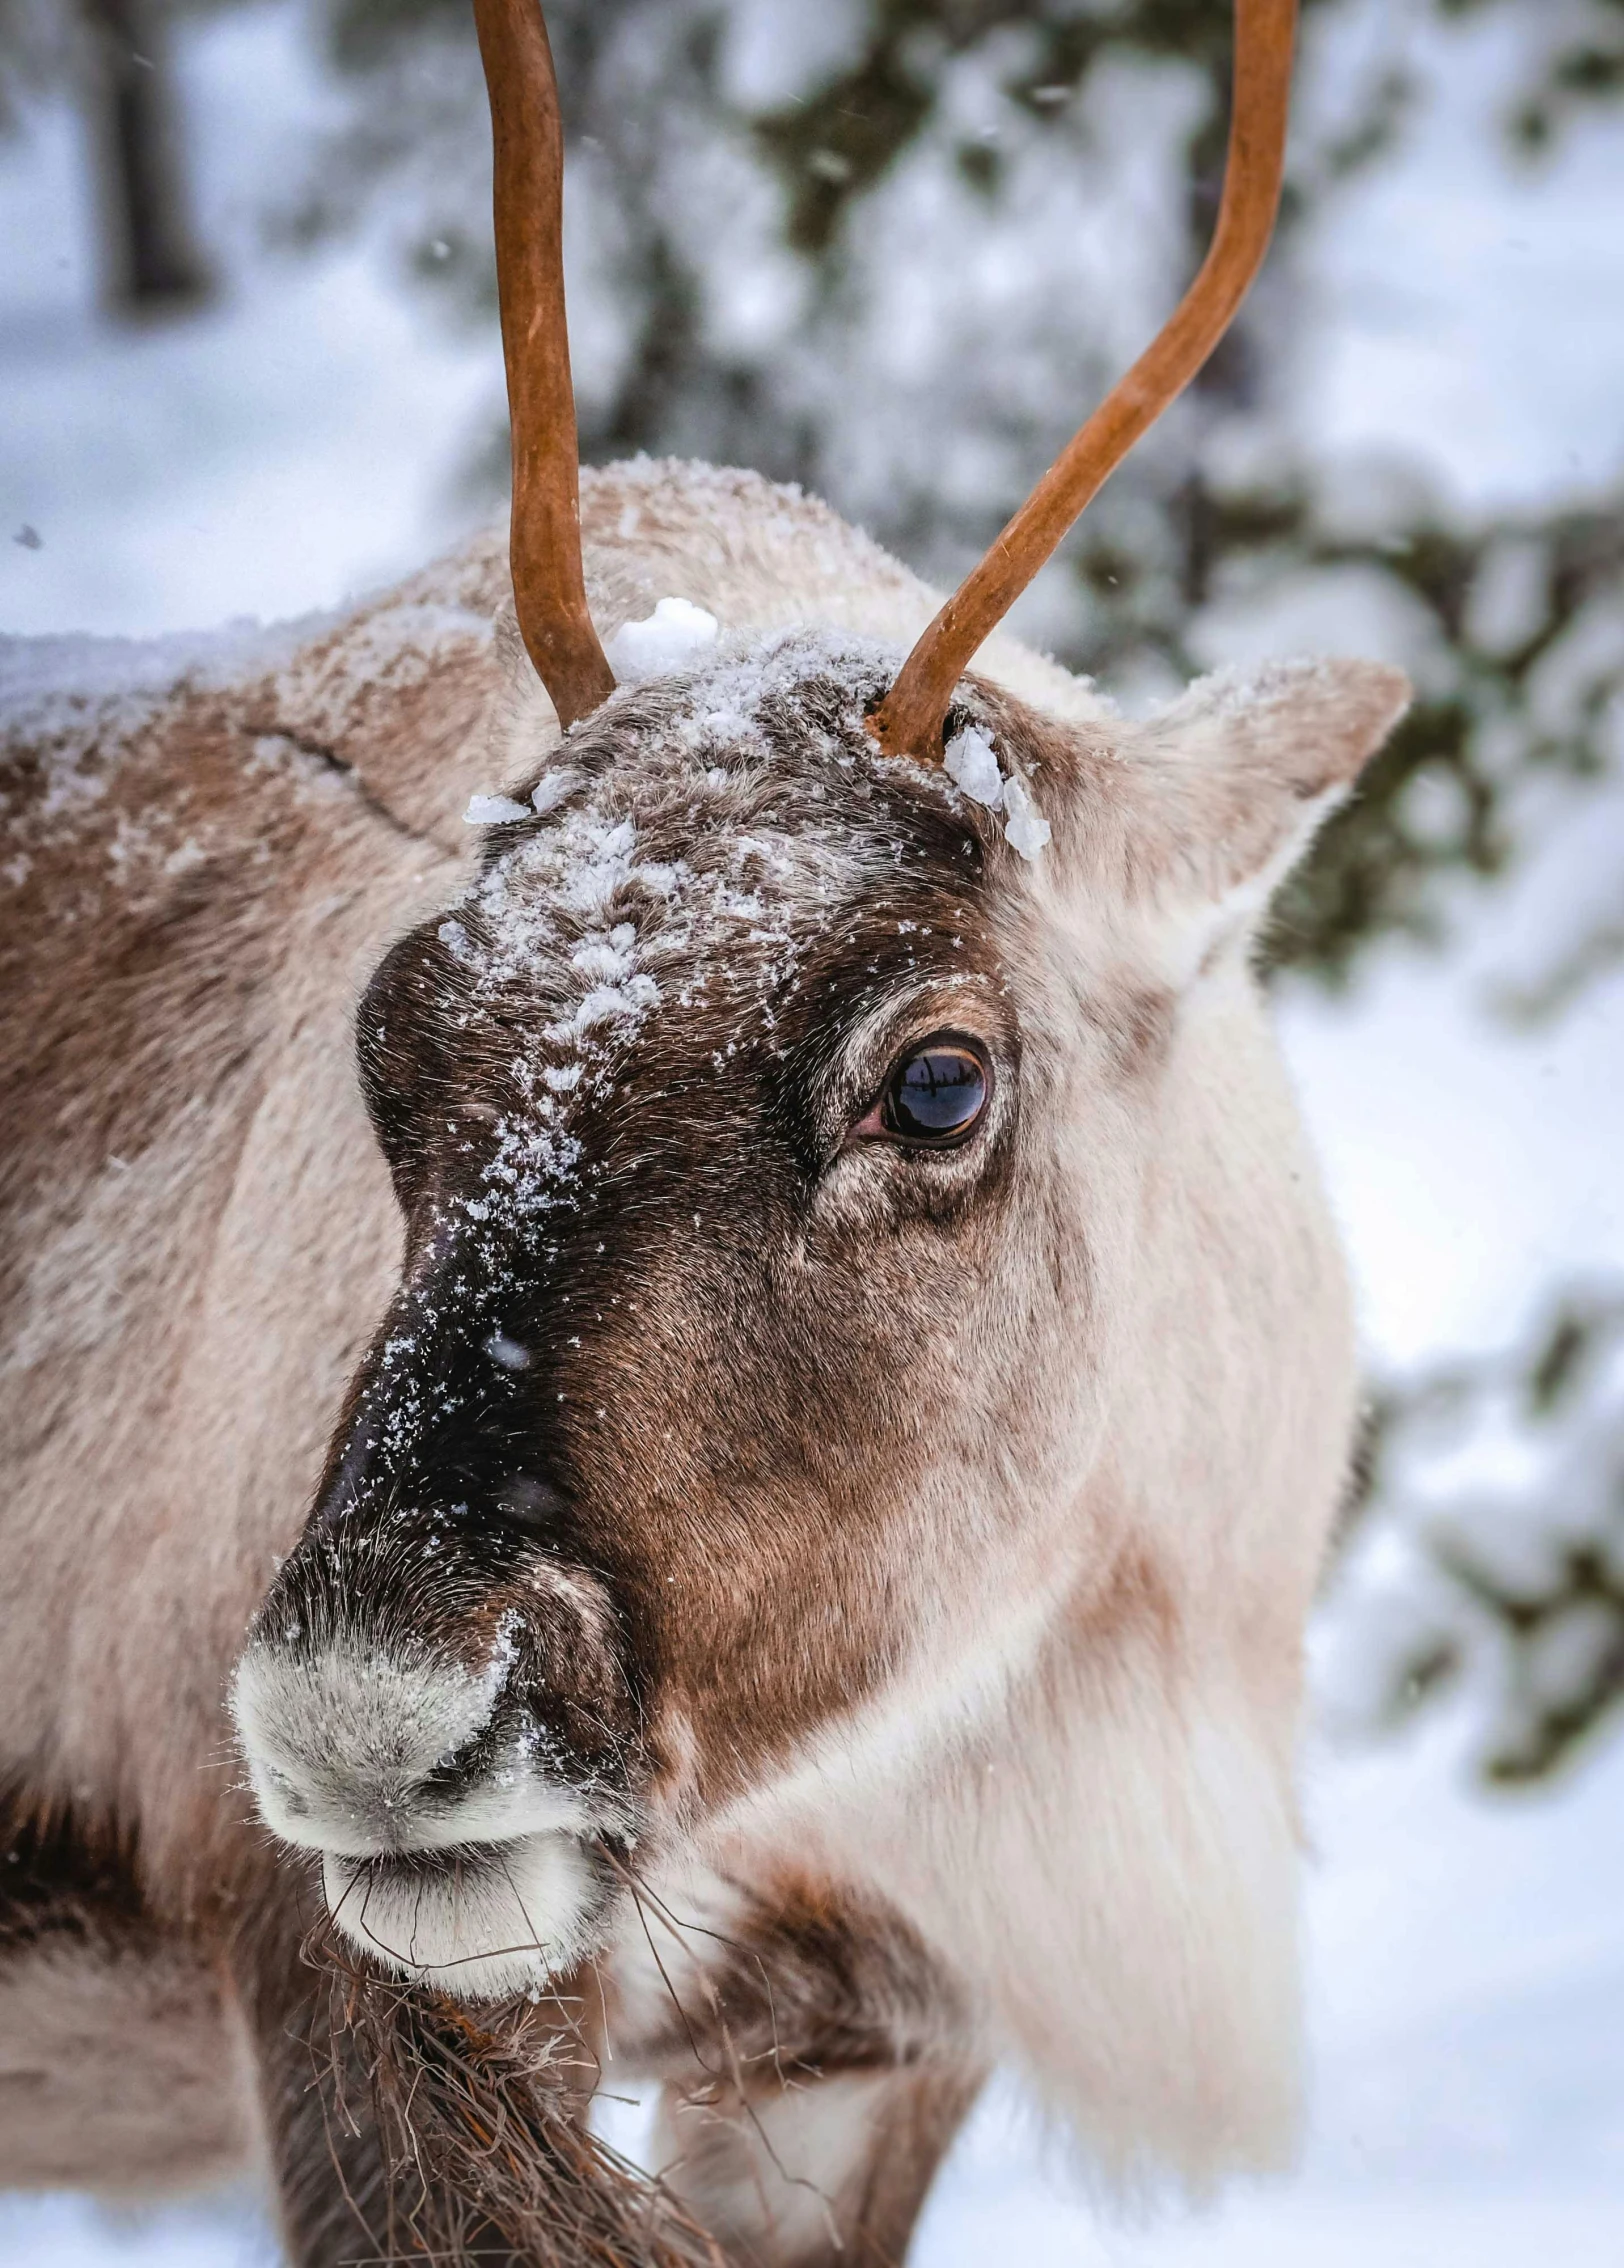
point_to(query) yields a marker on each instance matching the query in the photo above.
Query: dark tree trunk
(152, 260)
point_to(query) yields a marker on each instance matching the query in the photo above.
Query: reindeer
(848, 1369)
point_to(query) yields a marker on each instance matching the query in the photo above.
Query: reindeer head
(853, 1246)
(778, 1151)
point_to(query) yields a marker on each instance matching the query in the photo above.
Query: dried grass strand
(481, 2127)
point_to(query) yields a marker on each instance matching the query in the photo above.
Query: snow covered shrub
(1495, 1560)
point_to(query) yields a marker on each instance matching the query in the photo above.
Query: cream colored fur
(1081, 1793)
(126, 2074)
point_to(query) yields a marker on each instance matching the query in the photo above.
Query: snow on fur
(672, 635)
(971, 762)
(600, 931)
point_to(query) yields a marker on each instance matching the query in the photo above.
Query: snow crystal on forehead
(729, 691)
(547, 900)
(600, 928)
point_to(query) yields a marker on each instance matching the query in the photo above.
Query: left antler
(908, 721)
(549, 590)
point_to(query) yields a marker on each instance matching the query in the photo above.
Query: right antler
(549, 590)
(908, 721)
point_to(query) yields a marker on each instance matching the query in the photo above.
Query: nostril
(462, 1762)
(366, 1755)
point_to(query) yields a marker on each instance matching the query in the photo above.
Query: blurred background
(894, 250)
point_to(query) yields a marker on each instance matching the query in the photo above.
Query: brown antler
(549, 592)
(908, 721)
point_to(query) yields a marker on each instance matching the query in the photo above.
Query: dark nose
(444, 1534)
(416, 1685)
(450, 1412)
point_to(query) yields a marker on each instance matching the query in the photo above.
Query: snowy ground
(1467, 1958)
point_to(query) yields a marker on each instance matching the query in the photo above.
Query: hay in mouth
(480, 2119)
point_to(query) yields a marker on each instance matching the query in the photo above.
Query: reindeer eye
(937, 1093)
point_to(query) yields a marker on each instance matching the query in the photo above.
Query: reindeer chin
(479, 1921)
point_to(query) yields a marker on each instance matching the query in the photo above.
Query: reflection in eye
(938, 1093)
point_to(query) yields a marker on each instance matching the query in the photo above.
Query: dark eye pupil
(938, 1092)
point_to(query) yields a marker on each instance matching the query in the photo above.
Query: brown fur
(880, 1515)
(116, 2043)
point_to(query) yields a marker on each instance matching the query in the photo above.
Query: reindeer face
(765, 1137)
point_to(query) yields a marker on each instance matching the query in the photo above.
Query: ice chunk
(671, 635)
(606, 959)
(493, 811)
(972, 764)
(551, 789)
(1025, 829)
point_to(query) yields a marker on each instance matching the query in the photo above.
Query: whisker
(735, 2067)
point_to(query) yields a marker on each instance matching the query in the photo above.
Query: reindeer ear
(1240, 773)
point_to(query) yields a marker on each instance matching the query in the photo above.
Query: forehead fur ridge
(705, 822)
(695, 845)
